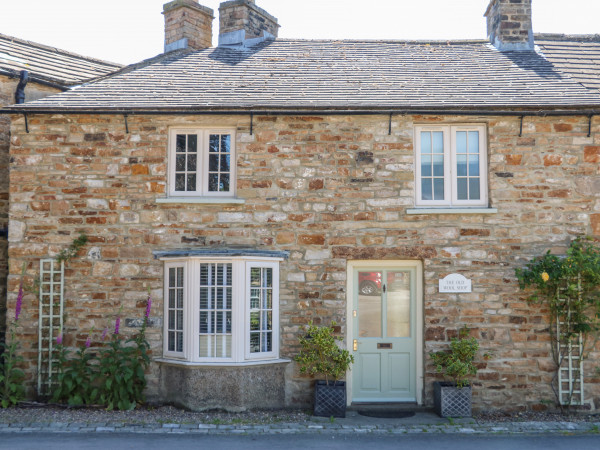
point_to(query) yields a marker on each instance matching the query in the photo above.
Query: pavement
(421, 423)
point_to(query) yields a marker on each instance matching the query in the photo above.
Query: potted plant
(321, 355)
(453, 399)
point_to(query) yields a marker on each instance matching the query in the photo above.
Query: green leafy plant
(70, 252)
(115, 378)
(457, 363)
(11, 376)
(320, 353)
(569, 286)
(75, 383)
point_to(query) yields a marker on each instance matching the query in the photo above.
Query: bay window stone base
(232, 389)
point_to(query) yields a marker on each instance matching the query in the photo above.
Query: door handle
(355, 346)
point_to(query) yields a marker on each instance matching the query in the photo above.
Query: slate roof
(289, 74)
(577, 55)
(49, 64)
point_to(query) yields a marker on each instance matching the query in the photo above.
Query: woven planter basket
(450, 401)
(330, 399)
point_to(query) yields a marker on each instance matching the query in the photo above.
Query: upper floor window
(201, 162)
(451, 165)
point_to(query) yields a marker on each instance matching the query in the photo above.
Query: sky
(127, 31)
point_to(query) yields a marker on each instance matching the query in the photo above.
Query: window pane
(438, 189)
(473, 141)
(398, 304)
(462, 193)
(192, 143)
(171, 341)
(255, 276)
(461, 142)
(180, 163)
(426, 189)
(180, 182)
(461, 165)
(191, 182)
(426, 166)
(438, 142)
(438, 165)
(254, 342)
(226, 143)
(254, 298)
(474, 165)
(213, 163)
(180, 146)
(213, 144)
(370, 304)
(474, 193)
(425, 142)
(224, 186)
(268, 342)
(191, 163)
(255, 320)
(213, 182)
(225, 163)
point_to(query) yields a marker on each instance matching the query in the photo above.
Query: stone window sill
(202, 200)
(176, 362)
(413, 211)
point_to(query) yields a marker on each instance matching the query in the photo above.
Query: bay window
(221, 309)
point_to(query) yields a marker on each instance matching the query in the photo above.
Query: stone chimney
(509, 25)
(187, 25)
(242, 20)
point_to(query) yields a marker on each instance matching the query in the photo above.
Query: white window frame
(201, 162)
(450, 176)
(240, 320)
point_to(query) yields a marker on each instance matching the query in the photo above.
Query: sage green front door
(384, 328)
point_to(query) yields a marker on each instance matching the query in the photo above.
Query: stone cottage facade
(264, 184)
(47, 71)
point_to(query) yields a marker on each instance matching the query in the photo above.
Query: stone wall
(328, 189)
(7, 97)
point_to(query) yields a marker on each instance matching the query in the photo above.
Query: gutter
(36, 79)
(548, 111)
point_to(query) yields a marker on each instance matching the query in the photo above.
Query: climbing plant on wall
(569, 286)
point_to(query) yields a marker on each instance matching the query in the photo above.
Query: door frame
(387, 264)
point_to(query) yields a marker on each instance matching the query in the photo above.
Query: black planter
(330, 399)
(450, 401)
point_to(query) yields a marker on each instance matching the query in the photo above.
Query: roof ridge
(58, 50)
(391, 41)
(567, 37)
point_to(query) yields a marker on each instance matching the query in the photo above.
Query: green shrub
(321, 355)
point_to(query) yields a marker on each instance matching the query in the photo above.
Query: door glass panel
(398, 304)
(369, 304)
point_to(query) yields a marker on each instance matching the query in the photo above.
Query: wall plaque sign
(455, 282)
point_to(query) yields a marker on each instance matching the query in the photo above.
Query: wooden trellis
(570, 352)
(51, 291)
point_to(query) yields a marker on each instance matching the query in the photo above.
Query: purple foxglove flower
(59, 338)
(117, 324)
(104, 333)
(88, 342)
(19, 301)
(148, 306)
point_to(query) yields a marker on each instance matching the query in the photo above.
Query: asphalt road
(116, 441)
